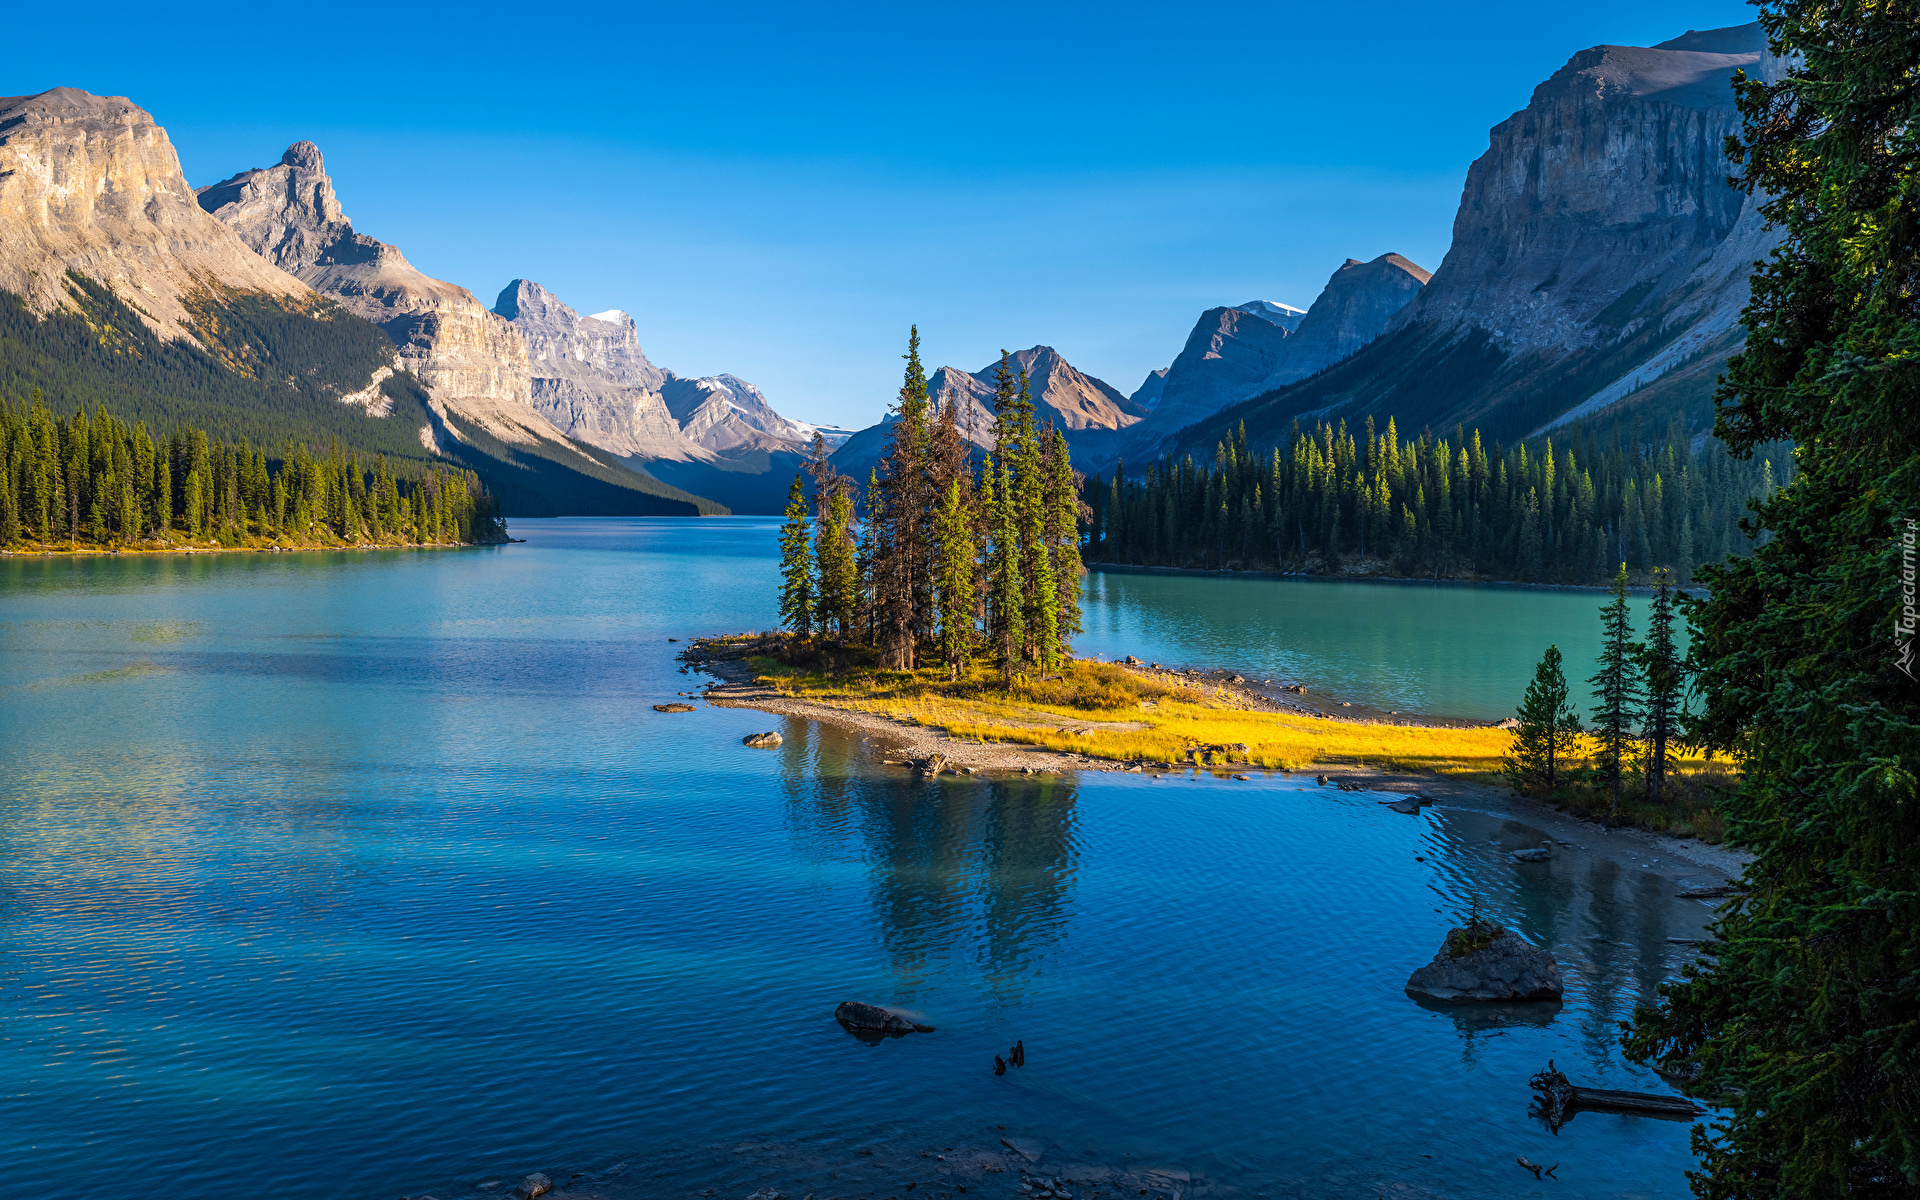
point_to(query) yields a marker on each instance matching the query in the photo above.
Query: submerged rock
(533, 1186)
(1535, 854)
(858, 1016)
(769, 738)
(1487, 963)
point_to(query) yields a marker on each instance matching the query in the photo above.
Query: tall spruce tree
(1663, 670)
(899, 514)
(796, 563)
(954, 569)
(1805, 1022)
(837, 602)
(1063, 508)
(1548, 736)
(1617, 691)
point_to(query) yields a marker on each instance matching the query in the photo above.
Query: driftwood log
(1559, 1099)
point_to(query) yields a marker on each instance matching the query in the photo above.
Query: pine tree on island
(1665, 676)
(796, 571)
(954, 579)
(1617, 692)
(948, 563)
(1548, 736)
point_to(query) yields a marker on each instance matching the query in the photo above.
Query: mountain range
(1597, 269)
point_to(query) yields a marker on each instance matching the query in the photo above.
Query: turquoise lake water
(369, 875)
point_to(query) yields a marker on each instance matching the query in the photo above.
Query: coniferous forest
(1332, 502)
(95, 481)
(952, 560)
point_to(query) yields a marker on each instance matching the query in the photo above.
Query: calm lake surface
(1448, 650)
(362, 875)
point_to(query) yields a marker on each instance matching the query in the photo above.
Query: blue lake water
(366, 875)
(1448, 650)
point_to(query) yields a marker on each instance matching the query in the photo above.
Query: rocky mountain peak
(472, 361)
(1286, 316)
(1598, 254)
(289, 213)
(304, 156)
(90, 184)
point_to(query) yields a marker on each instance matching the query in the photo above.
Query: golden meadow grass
(1130, 718)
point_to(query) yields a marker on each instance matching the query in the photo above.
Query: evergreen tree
(954, 579)
(1548, 736)
(1661, 667)
(1617, 691)
(796, 567)
(1063, 511)
(1805, 1021)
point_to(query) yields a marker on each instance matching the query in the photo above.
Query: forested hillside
(98, 481)
(1375, 504)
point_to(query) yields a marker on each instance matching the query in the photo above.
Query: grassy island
(1108, 711)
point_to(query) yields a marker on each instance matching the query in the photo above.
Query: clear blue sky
(779, 190)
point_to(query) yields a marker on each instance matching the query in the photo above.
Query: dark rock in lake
(674, 707)
(532, 1186)
(1409, 806)
(1505, 968)
(1537, 854)
(758, 740)
(857, 1017)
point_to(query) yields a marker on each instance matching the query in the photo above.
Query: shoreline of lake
(915, 747)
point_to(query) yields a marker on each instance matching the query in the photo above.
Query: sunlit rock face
(472, 361)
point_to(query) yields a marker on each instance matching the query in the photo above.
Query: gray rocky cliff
(1611, 182)
(1598, 266)
(472, 361)
(715, 436)
(1228, 356)
(589, 376)
(1286, 316)
(1235, 354)
(1358, 303)
(724, 413)
(90, 184)
(1146, 397)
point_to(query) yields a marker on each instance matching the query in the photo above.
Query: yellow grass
(1139, 719)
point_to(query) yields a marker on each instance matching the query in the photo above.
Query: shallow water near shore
(371, 874)
(1438, 649)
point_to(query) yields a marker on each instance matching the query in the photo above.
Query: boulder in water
(1486, 962)
(674, 707)
(859, 1017)
(769, 738)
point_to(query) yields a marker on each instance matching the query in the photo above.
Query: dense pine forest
(98, 482)
(953, 560)
(1375, 504)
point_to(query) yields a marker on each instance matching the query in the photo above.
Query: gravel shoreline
(914, 746)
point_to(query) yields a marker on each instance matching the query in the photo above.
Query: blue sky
(778, 191)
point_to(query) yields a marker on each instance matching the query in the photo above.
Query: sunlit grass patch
(1104, 711)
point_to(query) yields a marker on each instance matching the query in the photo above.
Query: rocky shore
(929, 750)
